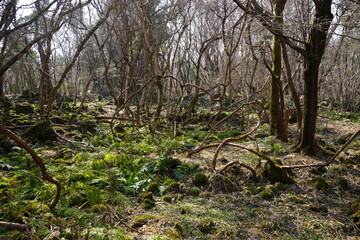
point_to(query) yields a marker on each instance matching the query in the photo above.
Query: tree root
(330, 160)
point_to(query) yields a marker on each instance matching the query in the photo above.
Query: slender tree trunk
(276, 108)
(315, 48)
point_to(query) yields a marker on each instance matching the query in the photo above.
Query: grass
(103, 180)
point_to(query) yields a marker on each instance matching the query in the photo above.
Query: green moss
(319, 183)
(141, 221)
(274, 173)
(169, 198)
(200, 179)
(98, 208)
(176, 230)
(172, 187)
(281, 186)
(194, 191)
(153, 187)
(206, 226)
(41, 132)
(267, 195)
(295, 199)
(221, 183)
(147, 200)
(145, 195)
(167, 163)
(148, 204)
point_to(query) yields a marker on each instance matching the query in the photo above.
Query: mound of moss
(221, 183)
(200, 179)
(206, 226)
(319, 183)
(40, 132)
(274, 173)
(147, 200)
(141, 221)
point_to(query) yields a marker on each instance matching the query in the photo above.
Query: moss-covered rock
(194, 191)
(221, 183)
(167, 163)
(87, 126)
(268, 193)
(147, 200)
(200, 179)
(41, 132)
(173, 187)
(153, 187)
(23, 109)
(274, 173)
(169, 198)
(206, 226)
(319, 183)
(293, 198)
(281, 186)
(141, 221)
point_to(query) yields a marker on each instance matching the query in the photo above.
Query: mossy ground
(104, 175)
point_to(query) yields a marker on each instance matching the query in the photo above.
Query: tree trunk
(315, 48)
(276, 108)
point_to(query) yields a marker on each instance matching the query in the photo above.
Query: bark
(315, 48)
(276, 108)
(294, 93)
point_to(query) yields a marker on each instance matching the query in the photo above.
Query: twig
(118, 218)
(18, 226)
(116, 118)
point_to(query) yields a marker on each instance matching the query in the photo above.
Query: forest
(179, 119)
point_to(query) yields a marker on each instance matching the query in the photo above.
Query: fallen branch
(52, 125)
(330, 160)
(17, 226)
(37, 160)
(116, 118)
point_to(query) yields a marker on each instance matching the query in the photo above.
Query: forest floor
(136, 185)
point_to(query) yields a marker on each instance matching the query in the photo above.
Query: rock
(319, 183)
(23, 109)
(274, 173)
(87, 126)
(221, 183)
(200, 179)
(41, 132)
